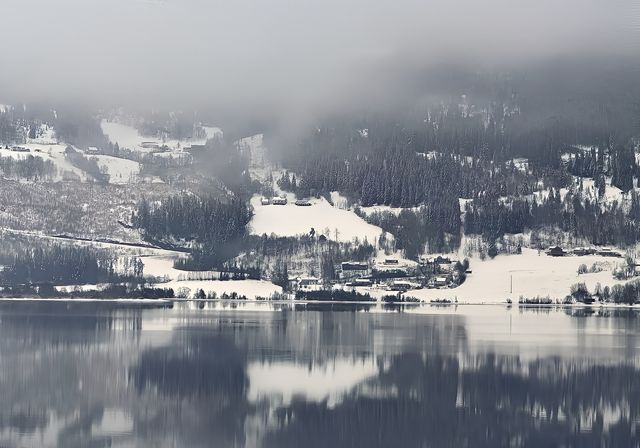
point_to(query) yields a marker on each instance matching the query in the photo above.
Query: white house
(309, 284)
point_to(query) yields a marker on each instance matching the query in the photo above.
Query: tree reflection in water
(372, 379)
(495, 402)
(201, 382)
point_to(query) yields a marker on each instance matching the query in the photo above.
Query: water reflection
(265, 375)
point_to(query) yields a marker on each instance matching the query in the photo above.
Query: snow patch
(292, 220)
(534, 274)
(251, 289)
(120, 171)
(129, 137)
(53, 153)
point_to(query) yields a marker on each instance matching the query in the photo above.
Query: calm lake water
(264, 375)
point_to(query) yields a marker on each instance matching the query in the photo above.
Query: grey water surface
(283, 375)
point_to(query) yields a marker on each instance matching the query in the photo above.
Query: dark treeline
(273, 245)
(589, 219)
(32, 168)
(401, 177)
(331, 295)
(317, 255)
(436, 229)
(217, 227)
(597, 162)
(112, 291)
(57, 264)
(627, 293)
(86, 164)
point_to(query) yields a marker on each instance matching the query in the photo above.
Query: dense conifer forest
(215, 227)
(63, 265)
(508, 149)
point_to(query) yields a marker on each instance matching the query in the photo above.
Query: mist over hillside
(345, 223)
(388, 129)
(286, 60)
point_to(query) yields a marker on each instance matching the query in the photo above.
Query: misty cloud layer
(280, 53)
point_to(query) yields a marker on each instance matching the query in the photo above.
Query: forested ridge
(508, 151)
(31, 168)
(216, 226)
(64, 265)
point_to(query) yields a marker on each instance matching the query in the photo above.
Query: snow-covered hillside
(292, 220)
(129, 137)
(52, 152)
(534, 274)
(120, 171)
(161, 266)
(46, 146)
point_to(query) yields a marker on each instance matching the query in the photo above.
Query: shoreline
(84, 300)
(169, 301)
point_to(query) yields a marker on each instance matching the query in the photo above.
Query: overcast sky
(280, 52)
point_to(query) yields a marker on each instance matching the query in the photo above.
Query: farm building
(556, 251)
(279, 200)
(309, 284)
(352, 269)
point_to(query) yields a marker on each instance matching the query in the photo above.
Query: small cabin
(19, 149)
(607, 252)
(556, 251)
(265, 201)
(440, 282)
(400, 285)
(279, 200)
(353, 269)
(361, 282)
(354, 266)
(303, 203)
(391, 261)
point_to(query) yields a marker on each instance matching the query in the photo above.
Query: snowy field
(120, 171)
(129, 137)
(251, 289)
(533, 275)
(46, 147)
(52, 152)
(161, 266)
(292, 220)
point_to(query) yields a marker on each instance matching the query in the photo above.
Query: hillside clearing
(291, 220)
